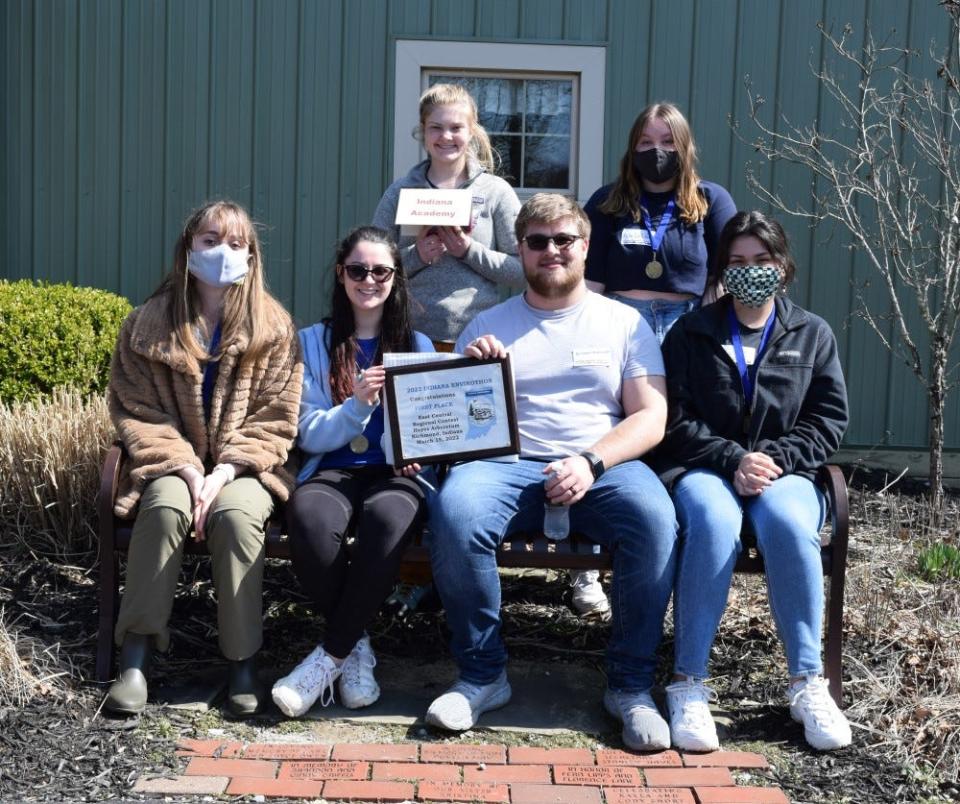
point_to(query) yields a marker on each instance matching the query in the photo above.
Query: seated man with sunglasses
(591, 399)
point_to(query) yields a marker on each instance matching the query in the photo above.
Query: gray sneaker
(643, 727)
(460, 706)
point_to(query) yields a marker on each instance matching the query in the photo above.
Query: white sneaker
(825, 727)
(644, 729)
(588, 595)
(460, 706)
(691, 724)
(313, 678)
(358, 687)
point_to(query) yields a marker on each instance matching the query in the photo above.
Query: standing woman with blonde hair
(204, 392)
(455, 271)
(655, 229)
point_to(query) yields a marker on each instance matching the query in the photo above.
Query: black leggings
(348, 584)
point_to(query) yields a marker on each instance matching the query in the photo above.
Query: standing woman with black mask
(655, 229)
(653, 235)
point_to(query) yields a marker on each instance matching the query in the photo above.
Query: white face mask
(220, 266)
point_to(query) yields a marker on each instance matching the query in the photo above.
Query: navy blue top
(373, 432)
(210, 373)
(619, 250)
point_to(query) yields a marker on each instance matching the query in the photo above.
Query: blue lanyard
(745, 377)
(656, 238)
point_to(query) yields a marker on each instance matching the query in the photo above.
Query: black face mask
(656, 164)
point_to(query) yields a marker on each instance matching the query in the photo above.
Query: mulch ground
(60, 747)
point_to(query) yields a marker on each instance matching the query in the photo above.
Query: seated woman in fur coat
(204, 392)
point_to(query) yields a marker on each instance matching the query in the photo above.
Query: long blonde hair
(451, 95)
(248, 307)
(625, 196)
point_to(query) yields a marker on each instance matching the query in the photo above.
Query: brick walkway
(459, 772)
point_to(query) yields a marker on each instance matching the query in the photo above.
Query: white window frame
(413, 56)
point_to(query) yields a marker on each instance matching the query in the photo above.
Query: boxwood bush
(54, 336)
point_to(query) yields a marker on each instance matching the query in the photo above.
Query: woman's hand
(367, 384)
(430, 247)
(485, 346)
(455, 240)
(194, 480)
(755, 472)
(408, 471)
(212, 485)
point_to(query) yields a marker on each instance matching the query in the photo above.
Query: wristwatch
(596, 465)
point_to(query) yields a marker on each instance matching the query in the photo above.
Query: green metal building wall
(120, 116)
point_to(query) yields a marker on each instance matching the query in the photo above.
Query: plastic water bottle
(556, 521)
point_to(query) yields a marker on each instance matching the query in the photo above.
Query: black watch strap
(596, 465)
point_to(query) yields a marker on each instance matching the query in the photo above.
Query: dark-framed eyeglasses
(539, 242)
(357, 271)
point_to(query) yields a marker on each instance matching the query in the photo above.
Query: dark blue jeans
(627, 510)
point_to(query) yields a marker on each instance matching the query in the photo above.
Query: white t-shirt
(569, 366)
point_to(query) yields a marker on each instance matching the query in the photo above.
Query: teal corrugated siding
(119, 117)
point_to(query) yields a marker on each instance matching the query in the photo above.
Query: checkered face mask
(753, 285)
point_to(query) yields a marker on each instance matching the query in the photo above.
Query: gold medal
(654, 269)
(359, 444)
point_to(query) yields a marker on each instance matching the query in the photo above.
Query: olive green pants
(235, 535)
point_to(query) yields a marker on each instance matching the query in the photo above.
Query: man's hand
(569, 480)
(755, 472)
(485, 346)
(412, 470)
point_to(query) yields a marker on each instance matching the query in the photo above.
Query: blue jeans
(660, 314)
(627, 510)
(787, 518)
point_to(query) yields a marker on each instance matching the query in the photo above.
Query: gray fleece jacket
(445, 296)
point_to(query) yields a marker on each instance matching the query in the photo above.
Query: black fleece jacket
(799, 411)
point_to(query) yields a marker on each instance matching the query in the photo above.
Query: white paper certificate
(452, 410)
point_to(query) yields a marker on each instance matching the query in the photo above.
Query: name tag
(636, 236)
(591, 357)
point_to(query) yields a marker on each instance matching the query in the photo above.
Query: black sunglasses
(357, 271)
(538, 242)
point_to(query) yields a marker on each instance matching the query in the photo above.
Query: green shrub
(939, 561)
(53, 336)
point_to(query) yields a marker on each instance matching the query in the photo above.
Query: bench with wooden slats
(531, 550)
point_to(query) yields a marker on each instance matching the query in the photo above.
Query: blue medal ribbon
(656, 238)
(746, 378)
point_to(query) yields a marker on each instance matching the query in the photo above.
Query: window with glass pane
(530, 123)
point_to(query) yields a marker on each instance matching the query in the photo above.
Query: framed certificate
(451, 410)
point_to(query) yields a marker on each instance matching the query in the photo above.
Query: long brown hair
(396, 332)
(451, 95)
(624, 198)
(248, 307)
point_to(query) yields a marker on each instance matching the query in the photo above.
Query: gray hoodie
(445, 296)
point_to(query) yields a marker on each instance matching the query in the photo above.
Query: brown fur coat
(156, 404)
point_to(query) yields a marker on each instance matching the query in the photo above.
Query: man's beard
(554, 284)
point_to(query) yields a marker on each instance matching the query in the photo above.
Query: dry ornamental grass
(50, 456)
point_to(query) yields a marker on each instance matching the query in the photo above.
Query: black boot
(245, 694)
(128, 694)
